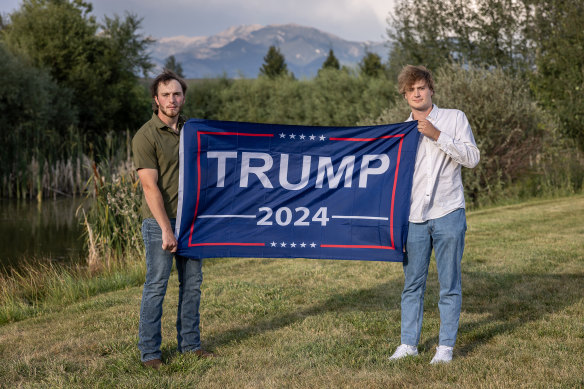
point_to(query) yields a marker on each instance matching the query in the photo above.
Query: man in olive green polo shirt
(156, 158)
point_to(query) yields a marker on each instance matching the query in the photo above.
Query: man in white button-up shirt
(437, 218)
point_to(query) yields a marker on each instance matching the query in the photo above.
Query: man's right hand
(169, 242)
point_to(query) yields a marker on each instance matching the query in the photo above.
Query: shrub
(333, 98)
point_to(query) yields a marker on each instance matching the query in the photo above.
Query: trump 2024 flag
(281, 191)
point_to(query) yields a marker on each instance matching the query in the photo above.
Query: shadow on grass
(509, 300)
(382, 297)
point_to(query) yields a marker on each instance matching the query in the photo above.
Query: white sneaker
(404, 350)
(443, 355)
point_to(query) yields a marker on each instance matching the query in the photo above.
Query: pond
(47, 231)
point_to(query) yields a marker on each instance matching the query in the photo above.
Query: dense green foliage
(40, 119)
(203, 98)
(334, 98)
(98, 63)
(558, 81)
(30, 102)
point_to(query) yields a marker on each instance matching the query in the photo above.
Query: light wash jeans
(446, 236)
(190, 277)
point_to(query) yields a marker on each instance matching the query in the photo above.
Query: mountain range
(239, 51)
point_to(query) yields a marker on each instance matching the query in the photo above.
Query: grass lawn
(321, 323)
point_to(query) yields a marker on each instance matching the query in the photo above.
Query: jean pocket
(151, 231)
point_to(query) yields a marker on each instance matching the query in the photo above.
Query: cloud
(356, 20)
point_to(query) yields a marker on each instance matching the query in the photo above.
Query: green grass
(316, 323)
(39, 287)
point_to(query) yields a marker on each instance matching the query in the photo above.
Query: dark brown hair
(164, 78)
(411, 74)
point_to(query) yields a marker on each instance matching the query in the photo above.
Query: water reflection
(48, 231)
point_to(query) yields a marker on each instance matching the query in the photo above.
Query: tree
(558, 81)
(118, 91)
(274, 64)
(371, 66)
(331, 61)
(99, 63)
(483, 32)
(55, 34)
(38, 113)
(174, 66)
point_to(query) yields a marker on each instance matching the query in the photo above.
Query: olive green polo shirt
(156, 146)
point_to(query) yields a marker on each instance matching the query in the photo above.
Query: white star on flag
(302, 136)
(303, 245)
(322, 137)
(292, 244)
(312, 137)
(292, 136)
(282, 135)
(283, 244)
(274, 244)
(313, 245)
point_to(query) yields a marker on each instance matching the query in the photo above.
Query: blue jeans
(190, 277)
(446, 236)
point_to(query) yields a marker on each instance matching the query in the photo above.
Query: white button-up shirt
(437, 184)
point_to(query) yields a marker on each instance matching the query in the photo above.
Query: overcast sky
(354, 20)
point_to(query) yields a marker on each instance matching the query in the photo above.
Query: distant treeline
(74, 90)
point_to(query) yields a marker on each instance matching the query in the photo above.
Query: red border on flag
(392, 247)
(199, 133)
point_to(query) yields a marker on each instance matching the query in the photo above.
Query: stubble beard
(167, 113)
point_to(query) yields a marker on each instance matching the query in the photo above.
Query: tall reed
(112, 224)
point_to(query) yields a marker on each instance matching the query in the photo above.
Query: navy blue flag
(281, 191)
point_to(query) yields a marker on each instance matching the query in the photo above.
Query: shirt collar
(433, 115)
(162, 126)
